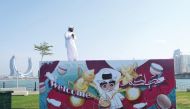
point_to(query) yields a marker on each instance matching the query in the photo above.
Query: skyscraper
(14, 71)
(181, 62)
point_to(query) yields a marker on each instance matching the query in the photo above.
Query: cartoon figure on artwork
(107, 84)
(70, 38)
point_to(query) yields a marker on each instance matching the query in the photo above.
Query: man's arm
(73, 36)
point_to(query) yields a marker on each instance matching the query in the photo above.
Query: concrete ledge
(16, 91)
(33, 92)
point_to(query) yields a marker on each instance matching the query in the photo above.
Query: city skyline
(106, 29)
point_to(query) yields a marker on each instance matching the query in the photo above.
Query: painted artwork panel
(107, 84)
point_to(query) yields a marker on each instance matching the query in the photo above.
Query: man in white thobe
(70, 38)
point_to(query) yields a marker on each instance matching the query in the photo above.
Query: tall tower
(177, 61)
(14, 71)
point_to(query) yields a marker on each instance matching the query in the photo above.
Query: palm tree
(44, 49)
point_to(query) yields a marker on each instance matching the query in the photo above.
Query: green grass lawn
(25, 102)
(32, 102)
(183, 100)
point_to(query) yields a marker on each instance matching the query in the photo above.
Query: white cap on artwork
(156, 69)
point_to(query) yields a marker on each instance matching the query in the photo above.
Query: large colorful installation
(104, 84)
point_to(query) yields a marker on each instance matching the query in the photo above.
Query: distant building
(14, 71)
(176, 57)
(181, 62)
(185, 64)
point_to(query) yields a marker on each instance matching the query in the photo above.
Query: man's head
(71, 29)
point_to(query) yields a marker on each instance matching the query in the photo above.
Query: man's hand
(73, 36)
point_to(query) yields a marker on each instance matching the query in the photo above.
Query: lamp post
(17, 80)
(35, 86)
(3, 84)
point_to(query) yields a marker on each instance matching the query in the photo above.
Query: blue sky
(106, 29)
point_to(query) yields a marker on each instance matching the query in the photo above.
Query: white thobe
(71, 46)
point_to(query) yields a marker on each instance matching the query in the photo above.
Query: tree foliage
(44, 49)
